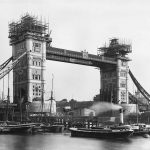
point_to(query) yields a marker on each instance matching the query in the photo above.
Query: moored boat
(56, 128)
(15, 128)
(101, 133)
(37, 127)
(140, 129)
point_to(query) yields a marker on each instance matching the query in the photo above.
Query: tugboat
(101, 133)
(121, 131)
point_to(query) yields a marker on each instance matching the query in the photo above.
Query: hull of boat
(140, 133)
(53, 128)
(100, 133)
(140, 129)
(16, 129)
(37, 129)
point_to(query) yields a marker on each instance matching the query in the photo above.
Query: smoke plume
(101, 107)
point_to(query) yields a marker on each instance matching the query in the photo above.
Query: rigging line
(139, 87)
(2, 66)
(5, 71)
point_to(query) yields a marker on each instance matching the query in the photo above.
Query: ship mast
(51, 98)
(42, 88)
(8, 100)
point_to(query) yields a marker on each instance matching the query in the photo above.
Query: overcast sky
(79, 25)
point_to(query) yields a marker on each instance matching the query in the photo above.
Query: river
(51, 141)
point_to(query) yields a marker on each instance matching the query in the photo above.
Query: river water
(50, 141)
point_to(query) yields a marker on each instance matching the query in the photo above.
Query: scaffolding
(27, 24)
(115, 48)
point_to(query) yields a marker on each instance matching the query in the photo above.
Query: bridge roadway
(82, 58)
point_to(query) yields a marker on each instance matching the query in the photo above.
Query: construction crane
(5, 70)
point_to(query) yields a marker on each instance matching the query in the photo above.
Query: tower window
(123, 95)
(123, 74)
(36, 77)
(36, 62)
(33, 78)
(123, 63)
(36, 90)
(123, 85)
(37, 47)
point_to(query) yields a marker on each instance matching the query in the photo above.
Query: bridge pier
(115, 78)
(29, 35)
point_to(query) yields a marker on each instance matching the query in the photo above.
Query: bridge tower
(114, 79)
(30, 35)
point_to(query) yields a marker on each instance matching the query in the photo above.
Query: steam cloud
(101, 107)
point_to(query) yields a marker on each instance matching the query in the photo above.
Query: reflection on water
(65, 142)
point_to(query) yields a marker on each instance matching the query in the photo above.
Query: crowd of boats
(120, 130)
(9, 127)
(114, 131)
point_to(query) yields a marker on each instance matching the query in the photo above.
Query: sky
(84, 25)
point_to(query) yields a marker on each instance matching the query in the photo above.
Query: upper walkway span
(82, 58)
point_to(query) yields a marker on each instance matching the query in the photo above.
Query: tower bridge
(31, 36)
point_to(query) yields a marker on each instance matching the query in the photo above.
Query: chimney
(121, 116)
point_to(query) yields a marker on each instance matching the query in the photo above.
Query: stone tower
(29, 35)
(114, 80)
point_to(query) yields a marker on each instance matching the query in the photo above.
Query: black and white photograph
(74, 75)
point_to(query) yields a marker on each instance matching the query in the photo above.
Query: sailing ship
(12, 126)
(55, 128)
